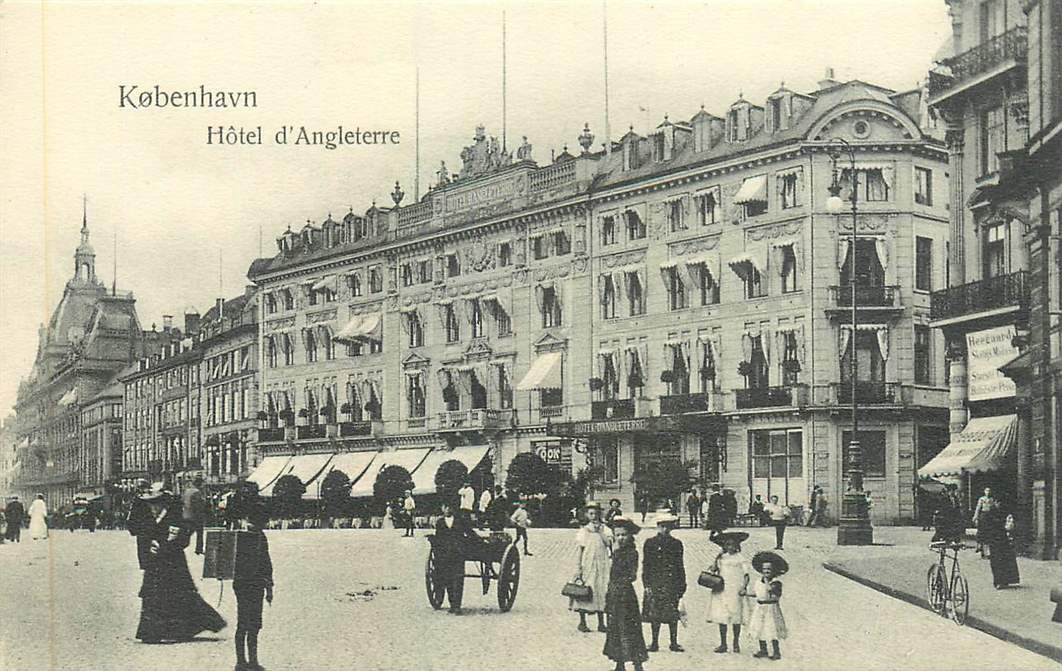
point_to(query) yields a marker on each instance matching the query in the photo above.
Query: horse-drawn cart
(497, 557)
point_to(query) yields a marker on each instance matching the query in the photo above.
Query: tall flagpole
(504, 87)
(114, 275)
(416, 160)
(608, 131)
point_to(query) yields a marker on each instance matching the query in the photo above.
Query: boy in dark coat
(664, 578)
(452, 533)
(252, 581)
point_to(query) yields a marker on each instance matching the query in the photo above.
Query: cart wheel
(431, 582)
(508, 579)
(936, 588)
(959, 603)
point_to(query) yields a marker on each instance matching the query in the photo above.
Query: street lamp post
(854, 525)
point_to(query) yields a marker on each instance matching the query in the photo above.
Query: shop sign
(986, 351)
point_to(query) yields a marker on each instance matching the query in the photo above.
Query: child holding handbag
(727, 607)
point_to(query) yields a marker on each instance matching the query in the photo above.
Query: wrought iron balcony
(476, 418)
(615, 408)
(763, 397)
(994, 293)
(867, 296)
(347, 429)
(311, 431)
(868, 392)
(985, 57)
(271, 435)
(678, 404)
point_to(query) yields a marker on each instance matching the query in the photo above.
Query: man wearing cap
(664, 578)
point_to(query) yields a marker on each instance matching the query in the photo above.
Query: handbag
(712, 581)
(577, 590)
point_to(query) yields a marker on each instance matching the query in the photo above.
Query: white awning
(983, 445)
(307, 467)
(324, 283)
(69, 397)
(756, 258)
(361, 327)
(409, 459)
(351, 464)
(268, 472)
(424, 478)
(753, 188)
(545, 373)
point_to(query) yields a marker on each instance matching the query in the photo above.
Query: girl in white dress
(728, 606)
(766, 622)
(38, 512)
(594, 540)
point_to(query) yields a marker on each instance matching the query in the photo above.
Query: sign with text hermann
(986, 352)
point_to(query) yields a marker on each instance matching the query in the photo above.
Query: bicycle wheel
(959, 603)
(936, 588)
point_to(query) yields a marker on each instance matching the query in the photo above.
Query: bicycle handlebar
(945, 545)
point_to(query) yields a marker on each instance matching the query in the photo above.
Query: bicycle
(948, 595)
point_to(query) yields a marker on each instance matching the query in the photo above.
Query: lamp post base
(854, 527)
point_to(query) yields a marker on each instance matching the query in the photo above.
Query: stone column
(958, 391)
(956, 141)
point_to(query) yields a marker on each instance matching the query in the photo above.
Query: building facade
(997, 93)
(99, 462)
(93, 333)
(678, 298)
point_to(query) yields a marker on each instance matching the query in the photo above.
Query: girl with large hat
(728, 607)
(594, 541)
(624, 641)
(766, 622)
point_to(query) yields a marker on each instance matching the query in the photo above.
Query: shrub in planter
(636, 381)
(596, 384)
(667, 376)
(791, 365)
(745, 368)
(449, 478)
(325, 411)
(304, 413)
(345, 408)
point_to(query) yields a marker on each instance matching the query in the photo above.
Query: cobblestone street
(320, 621)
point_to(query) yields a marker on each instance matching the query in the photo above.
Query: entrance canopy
(983, 445)
(271, 468)
(409, 459)
(545, 373)
(424, 478)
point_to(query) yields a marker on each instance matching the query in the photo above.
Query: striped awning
(545, 373)
(752, 189)
(360, 328)
(268, 472)
(983, 445)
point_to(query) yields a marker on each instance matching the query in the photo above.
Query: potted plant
(667, 376)
(345, 408)
(745, 368)
(303, 413)
(635, 380)
(791, 366)
(596, 384)
(262, 415)
(326, 411)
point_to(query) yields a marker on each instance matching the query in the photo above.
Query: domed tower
(85, 256)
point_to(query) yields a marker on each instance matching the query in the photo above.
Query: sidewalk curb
(1033, 645)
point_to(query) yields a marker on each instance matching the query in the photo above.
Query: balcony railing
(552, 176)
(868, 392)
(763, 397)
(981, 296)
(550, 411)
(615, 408)
(678, 404)
(867, 296)
(348, 429)
(476, 418)
(311, 431)
(271, 435)
(1010, 46)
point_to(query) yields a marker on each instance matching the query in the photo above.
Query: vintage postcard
(540, 335)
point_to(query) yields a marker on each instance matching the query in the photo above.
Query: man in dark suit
(716, 511)
(14, 514)
(664, 577)
(452, 534)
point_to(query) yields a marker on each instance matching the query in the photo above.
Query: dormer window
(630, 152)
(658, 147)
(738, 122)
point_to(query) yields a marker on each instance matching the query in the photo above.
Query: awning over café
(308, 467)
(267, 473)
(545, 373)
(424, 478)
(409, 459)
(983, 445)
(351, 464)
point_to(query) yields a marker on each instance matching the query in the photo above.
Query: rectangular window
(872, 183)
(608, 297)
(416, 330)
(415, 396)
(424, 271)
(505, 255)
(453, 265)
(635, 226)
(777, 456)
(606, 456)
(995, 250)
(354, 284)
(503, 321)
(790, 270)
(551, 308)
(608, 231)
(407, 274)
(271, 304)
(708, 207)
(992, 129)
(872, 446)
(754, 208)
(923, 186)
(562, 244)
(755, 287)
(476, 318)
(789, 188)
(923, 264)
(635, 294)
(312, 296)
(923, 354)
(552, 398)
(676, 289)
(375, 280)
(453, 327)
(675, 216)
(539, 248)
(505, 388)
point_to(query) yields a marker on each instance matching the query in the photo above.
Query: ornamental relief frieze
(692, 246)
(323, 316)
(473, 288)
(782, 229)
(620, 260)
(366, 308)
(280, 324)
(873, 223)
(559, 271)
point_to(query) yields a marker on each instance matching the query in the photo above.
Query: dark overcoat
(664, 578)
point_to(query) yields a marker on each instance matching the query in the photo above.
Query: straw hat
(627, 523)
(667, 518)
(728, 536)
(780, 565)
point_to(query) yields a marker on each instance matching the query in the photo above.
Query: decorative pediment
(878, 222)
(620, 260)
(702, 244)
(479, 348)
(414, 361)
(550, 343)
(785, 229)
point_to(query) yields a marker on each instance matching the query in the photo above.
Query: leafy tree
(335, 492)
(287, 493)
(482, 476)
(449, 478)
(391, 483)
(529, 474)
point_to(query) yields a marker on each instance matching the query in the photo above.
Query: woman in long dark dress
(1001, 554)
(171, 608)
(624, 641)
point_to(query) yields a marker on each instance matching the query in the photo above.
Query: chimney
(167, 323)
(221, 308)
(191, 322)
(829, 80)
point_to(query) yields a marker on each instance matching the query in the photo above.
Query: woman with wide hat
(594, 542)
(624, 641)
(766, 622)
(728, 607)
(664, 578)
(171, 608)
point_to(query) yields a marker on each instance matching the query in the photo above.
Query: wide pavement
(354, 599)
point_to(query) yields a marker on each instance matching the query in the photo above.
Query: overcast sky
(175, 203)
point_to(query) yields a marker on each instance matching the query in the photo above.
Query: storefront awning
(267, 473)
(308, 467)
(983, 445)
(752, 189)
(424, 478)
(351, 464)
(359, 328)
(545, 373)
(409, 459)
